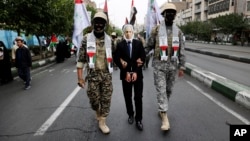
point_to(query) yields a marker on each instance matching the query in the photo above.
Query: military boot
(165, 123)
(102, 125)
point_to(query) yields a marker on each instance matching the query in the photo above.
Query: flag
(105, 10)
(158, 15)
(53, 40)
(81, 21)
(126, 20)
(133, 13)
(154, 16)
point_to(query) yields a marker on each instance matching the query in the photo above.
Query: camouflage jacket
(101, 62)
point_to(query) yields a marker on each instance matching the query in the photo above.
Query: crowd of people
(20, 57)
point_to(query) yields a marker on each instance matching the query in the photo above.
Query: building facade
(203, 10)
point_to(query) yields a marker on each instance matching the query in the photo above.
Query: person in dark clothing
(130, 57)
(5, 65)
(67, 48)
(215, 39)
(23, 62)
(60, 52)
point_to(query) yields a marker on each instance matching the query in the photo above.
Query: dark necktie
(129, 48)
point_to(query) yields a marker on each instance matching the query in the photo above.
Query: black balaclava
(113, 37)
(99, 25)
(169, 16)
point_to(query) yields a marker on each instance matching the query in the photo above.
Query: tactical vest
(101, 61)
(157, 49)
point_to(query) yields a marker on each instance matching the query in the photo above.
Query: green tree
(230, 23)
(37, 16)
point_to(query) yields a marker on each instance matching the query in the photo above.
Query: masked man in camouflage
(167, 43)
(96, 53)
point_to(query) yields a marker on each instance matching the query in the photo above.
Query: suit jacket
(122, 51)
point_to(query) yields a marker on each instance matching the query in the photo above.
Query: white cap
(168, 6)
(101, 15)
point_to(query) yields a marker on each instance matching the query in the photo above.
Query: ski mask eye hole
(99, 21)
(169, 12)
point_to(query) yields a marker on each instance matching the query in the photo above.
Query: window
(248, 5)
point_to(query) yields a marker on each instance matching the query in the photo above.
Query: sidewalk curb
(232, 90)
(235, 58)
(36, 64)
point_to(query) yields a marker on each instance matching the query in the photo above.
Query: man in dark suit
(130, 57)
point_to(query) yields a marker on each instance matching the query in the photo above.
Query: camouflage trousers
(99, 91)
(164, 78)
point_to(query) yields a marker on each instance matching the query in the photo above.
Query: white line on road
(244, 120)
(51, 70)
(58, 111)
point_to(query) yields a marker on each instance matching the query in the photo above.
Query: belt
(171, 59)
(98, 70)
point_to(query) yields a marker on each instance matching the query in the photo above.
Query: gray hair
(126, 26)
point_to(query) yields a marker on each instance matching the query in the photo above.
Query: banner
(81, 21)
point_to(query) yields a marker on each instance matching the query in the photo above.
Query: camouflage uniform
(99, 79)
(165, 71)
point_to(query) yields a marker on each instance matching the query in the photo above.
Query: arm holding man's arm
(139, 62)
(152, 40)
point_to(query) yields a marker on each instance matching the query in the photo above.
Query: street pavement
(235, 91)
(236, 53)
(229, 88)
(56, 109)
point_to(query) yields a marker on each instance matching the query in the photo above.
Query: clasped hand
(124, 63)
(131, 76)
(139, 62)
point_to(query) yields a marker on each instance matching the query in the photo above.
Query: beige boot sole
(105, 130)
(102, 126)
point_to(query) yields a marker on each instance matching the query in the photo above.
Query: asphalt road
(237, 51)
(55, 109)
(233, 70)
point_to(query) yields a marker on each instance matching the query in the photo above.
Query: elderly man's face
(129, 33)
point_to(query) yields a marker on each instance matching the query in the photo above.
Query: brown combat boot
(102, 125)
(165, 123)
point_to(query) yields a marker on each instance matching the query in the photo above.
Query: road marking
(51, 70)
(241, 118)
(58, 111)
